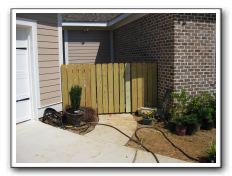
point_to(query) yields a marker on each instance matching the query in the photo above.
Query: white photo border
(217, 11)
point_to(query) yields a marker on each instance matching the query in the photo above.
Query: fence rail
(111, 88)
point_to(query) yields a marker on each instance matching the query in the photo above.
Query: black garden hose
(164, 135)
(138, 139)
(137, 142)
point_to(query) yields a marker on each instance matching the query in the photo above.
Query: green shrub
(189, 121)
(201, 101)
(180, 104)
(192, 123)
(204, 105)
(211, 152)
(75, 97)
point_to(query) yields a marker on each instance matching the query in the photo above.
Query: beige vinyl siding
(48, 56)
(91, 46)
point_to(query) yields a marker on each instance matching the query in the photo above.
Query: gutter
(97, 24)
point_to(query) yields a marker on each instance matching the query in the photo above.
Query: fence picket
(128, 87)
(93, 86)
(105, 88)
(116, 89)
(111, 88)
(99, 88)
(121, 87)
(134, 87)
(88, 86)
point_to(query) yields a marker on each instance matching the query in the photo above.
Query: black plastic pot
(191, 129)
(73, 118)
(146, 121)
(171, 126)
(207, 124)
(181, 130)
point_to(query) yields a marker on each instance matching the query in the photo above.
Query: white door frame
(33, 63)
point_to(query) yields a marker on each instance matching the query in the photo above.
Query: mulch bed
(194, 145)
(90, 115)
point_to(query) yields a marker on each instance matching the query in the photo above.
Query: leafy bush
(204, 105)
(192, 112)
(180, 104)
(188, 121)
(192, 123)
(211, 151)
(203, 100)
(75, 97)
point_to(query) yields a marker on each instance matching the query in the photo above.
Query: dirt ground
(194, 145)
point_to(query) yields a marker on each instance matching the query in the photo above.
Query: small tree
(75, 97)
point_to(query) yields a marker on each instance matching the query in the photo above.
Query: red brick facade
(182, 44)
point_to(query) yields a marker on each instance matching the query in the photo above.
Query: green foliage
(75, 97)
(203, 100)
(204, 105)
(180, 104)
(192, 112)
(211, 150)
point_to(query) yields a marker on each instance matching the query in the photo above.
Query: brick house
(182, 44)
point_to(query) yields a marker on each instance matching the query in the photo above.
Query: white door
(23, 101)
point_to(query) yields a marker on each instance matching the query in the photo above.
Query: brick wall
(195, 49)
(182, 44)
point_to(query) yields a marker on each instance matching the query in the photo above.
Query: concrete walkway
(37, 142)
(124, 122)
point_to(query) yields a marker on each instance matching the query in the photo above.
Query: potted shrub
(204, 105)
(178, 110)
(180, 127)
(148, 116)
(206, 118)
(192, 124)
(74, 113)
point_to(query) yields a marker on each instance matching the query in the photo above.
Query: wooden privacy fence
(112, 88)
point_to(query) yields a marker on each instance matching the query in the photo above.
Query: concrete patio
(41, 143)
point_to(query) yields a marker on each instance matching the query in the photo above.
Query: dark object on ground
(52, 116)
(171, 126)
(73, 118)
(181, 130)
(208, 160)
(207, 124)
(147, 121)
(90, 115)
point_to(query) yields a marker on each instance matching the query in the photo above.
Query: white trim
(66, 45)
(130, 18)
(118, 19)
(97, 24)
(113, 24)
(56, 106)
(60, 38)
(33, 62)
(89, 24)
